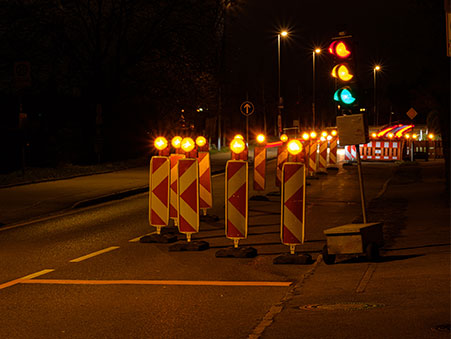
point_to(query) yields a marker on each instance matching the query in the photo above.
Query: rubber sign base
(293, 259)
(159, 238)
(189, 246)
(237, 252)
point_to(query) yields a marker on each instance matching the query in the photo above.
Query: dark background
(106, 77)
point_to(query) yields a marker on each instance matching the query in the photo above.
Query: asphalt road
(132, 289)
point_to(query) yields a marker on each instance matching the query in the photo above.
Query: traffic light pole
(362, 190)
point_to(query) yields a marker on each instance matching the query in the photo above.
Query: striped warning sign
(333, 151)
(259, 168)
(312, 157)
(293, 203)
(282, 157)
(236, 204)
(205, 195)
(159, 191)
(188, 196)
(322, 163)
(173, 212)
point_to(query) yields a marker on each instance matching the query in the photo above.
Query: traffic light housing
(343, 71)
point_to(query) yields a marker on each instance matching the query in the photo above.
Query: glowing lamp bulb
(187, 144)
(431, 136)
(313, 135)
(414, 136)
(390, 135)
(374, 135)
(324, 134)
(201, 141)
(261, 138)
(305, 136)
(176, 141)
(322, 139)
(334, 133)
(283, 137)
(407, 136)
(329, 137)
(160, 143)
(237, 146)
(294, 147)
(238, 136)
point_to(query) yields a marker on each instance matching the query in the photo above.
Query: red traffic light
(340, 49)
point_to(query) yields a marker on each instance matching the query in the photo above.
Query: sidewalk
(30, 201)
(404, 295)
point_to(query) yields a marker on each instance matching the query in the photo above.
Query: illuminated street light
(237, 145)
(284, 138)
(176, 141)
(294, 147)
(376, 114)
(315, 52)
(305, 136)
(334, 133)
(313, 135)
(279, 117)
(160, 143)
(201, 141)
(187, 144)
(261, 138)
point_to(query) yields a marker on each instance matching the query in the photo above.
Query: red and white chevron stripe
(236, 202)
(322, 163)
(159, 191)
(293, 203)
(259, 168)
(173, 211)
(312, 157)
(205, 195)
(188, 196)
(282, 157)
(333, 151)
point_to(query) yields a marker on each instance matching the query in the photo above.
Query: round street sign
(247, 108)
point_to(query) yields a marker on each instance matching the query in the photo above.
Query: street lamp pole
(376, 114)
(316, 51)
(279, 106)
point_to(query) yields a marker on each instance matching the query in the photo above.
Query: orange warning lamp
(305, 136)
(414, 136)
(313, 135)
(322, 138)
(284, 138)
(187, 144)
(201, 141)
(374, 135)
(160, 143)
(261, 138)
(334, 133)
(294, 147)
(238, 136)
(407, 136)
(431, 136)
(176, 141)
(329, 137)
(390, 135)
(237, 145)
(324, 134)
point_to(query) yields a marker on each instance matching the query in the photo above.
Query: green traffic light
(344, 95)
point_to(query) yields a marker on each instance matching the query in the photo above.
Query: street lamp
(279, 116)
(376, 115)
(316, 51)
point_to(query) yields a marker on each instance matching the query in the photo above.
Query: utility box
(353, 129)
(364, 238)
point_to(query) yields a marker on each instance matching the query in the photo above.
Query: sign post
(247, 108)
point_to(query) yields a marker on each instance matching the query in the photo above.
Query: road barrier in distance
(188, 197)
(333, 151)
(282, 157)
(159, 192)
(312, 157)
(236, 200)
(322, 156)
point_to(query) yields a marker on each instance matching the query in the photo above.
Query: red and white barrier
(173, 210)
(188, 196)
(159, 191)
(282, 157)
(312, 157)
(205, 194)
(322, 156)
(333, 151)
(236, 199)
(259, 168)
(293, 204)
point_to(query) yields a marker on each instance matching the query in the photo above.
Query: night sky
(406, 37)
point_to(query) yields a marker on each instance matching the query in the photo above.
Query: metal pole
(278, 84)
(376, 116)
(313, 98)
(362, 190)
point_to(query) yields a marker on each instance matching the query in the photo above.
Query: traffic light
(344, 72)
